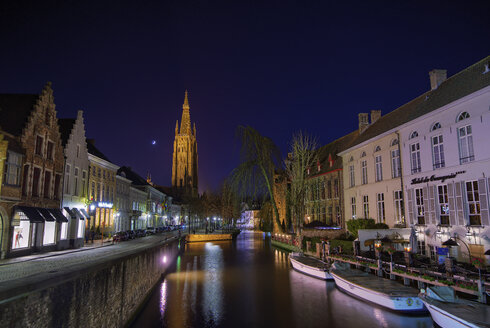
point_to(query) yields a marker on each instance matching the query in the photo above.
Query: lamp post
(452, 242)
(408, 257)
(377, 246)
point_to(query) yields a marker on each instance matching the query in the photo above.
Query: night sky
(279, 66)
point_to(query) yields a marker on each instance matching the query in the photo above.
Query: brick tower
(184, 160)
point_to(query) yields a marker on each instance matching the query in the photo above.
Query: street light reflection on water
(247, 283)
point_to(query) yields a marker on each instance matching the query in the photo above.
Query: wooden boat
(447, 310)
(310, 266)
(384, 292)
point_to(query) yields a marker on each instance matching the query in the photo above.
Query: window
(364, 172)
(75, 185)
(35, 182)
(435, 126)
(336, 188)
(64, 230)
(414, 134)
(463, 116)
(399, 218)
(92, 195)
(49, 153)
(380, 207)
(379, 168)
(395, 164)
(437, 152)
(81, 229)
(330, 215)
(352, 181)
(49, 230)
(365, 206)
(465, 136)
(353, 207)
(378, 148)
(473, 200)
(67, 178)
(443, 205)
(25, 180)
(394, 142)
(324, 215)
(98, 193)
(47, 184)
(20, 237)
(363, 154)
(84, 182)
(98, 172)
(57, 185)
(337, 212)
(39, 145)
(329, 189)
(323, 189)
(415, 157)
(12, 169)
(78, 151)
(419, 206)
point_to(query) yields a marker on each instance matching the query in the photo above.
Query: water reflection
(249, 284)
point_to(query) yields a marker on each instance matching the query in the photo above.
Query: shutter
(425, 195)
(411, 220)
(482, 191)
(432, 204)
(460, 217)
(452, 203)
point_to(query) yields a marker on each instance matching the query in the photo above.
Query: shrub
(354, 225)
(380, 226)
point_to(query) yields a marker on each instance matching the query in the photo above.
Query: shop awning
(56, 212)
(85, 213)
(70, 213)
(77, 212)
(46, 214)
(32, 213)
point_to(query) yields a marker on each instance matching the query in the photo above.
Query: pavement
(34, 269)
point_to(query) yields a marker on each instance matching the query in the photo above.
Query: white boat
(447, 310)
(310, 266)
(384, 292)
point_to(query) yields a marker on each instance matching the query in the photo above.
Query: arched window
(394, 142)
(351, 159)
(378, 148)
(435, 126)
(414, 134)
(363, 154)
(463, 116)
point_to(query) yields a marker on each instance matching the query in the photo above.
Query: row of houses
(57, 188)
(424, 165)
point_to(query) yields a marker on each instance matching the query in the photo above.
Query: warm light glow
(164, 260)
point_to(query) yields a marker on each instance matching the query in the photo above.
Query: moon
(153, 142)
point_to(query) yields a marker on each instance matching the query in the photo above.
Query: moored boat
(381, 291)
(447, 310)
(310, 266)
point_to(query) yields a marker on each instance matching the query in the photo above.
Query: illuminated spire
(185, 123)
(177, 127)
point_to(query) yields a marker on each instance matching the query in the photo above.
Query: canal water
(249, 283)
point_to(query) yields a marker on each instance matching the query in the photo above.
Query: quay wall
(104, 295)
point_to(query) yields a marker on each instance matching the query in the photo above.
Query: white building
(122, 221)
(446, 163)
(138, 216)
(75, 179)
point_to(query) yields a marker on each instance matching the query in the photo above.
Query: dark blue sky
(279, 66)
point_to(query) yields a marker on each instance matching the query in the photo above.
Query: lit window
(443, 204)
(473, 200)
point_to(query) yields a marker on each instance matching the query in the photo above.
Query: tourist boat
(384, 292)
(447, 310)
(310, 266)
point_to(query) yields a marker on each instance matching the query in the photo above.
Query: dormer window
(435, 126)
(414, 134)
(463, 116)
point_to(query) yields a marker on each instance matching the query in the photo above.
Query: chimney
(375, 115)
(363, 122)
(437, 76)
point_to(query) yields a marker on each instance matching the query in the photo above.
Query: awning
(82, 210)
(46, 214)
(70, 213)
(32, 213)
(77, 212)
(56, 212)
(369, 242)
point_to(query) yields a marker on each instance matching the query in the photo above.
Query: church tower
(184, 160)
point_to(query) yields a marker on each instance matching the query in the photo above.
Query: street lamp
(408, 257)
(452, 243)
(377, 246)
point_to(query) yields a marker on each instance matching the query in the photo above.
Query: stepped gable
(66, 126)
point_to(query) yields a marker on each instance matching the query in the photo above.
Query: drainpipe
(401, 176)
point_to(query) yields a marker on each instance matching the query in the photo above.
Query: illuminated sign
(435, 178)
(104, 204)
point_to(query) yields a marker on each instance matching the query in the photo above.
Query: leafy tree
(266, 217)
(259, 159)
(354, 225)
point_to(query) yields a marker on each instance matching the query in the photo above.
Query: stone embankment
(95, 293)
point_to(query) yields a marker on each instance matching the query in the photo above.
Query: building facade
(102, 188)
(75, 179)
(31, 188)
(122, 221)
(138, 214)
(446, 165)
(184, 159)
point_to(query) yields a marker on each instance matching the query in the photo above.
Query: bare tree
(260, 158)
(303, 156)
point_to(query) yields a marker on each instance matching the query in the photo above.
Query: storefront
(77, 226)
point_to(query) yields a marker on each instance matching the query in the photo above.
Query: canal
(248, 283)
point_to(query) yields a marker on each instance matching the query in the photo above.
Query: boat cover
(441, 293)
